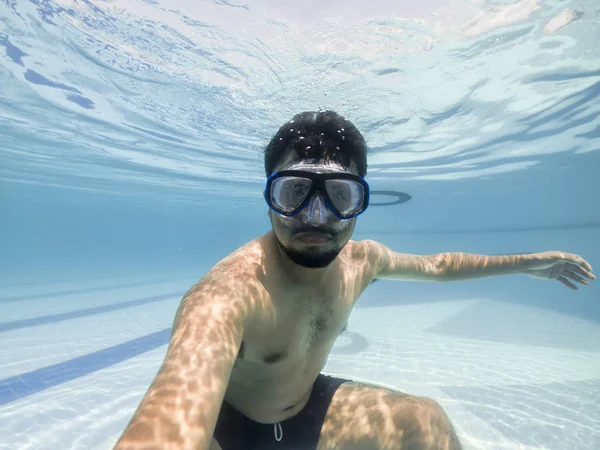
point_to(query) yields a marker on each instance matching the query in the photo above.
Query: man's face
(315, 236)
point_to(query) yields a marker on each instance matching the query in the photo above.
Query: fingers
(580, 270)
(586, 265)
(575, 277)
(566, 282)
(576, 259)
(568, 266)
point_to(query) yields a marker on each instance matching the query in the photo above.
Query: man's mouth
(313, 237)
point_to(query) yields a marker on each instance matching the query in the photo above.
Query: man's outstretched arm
(180, 408)
(564, 267)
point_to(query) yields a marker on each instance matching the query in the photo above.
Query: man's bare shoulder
(363, 250)
(360, 261)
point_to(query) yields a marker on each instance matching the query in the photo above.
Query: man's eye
(299, 190)
(342, 195)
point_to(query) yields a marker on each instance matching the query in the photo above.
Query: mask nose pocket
(317, 210)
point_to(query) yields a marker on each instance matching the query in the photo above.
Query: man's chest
(296, 327)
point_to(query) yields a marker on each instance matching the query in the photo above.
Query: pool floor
(78, 356)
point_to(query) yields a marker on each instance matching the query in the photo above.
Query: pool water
(131, 161)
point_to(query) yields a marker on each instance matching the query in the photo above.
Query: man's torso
(285, 346)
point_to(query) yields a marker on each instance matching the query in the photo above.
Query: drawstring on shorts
(278, 436)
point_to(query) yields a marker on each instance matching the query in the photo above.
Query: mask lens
(288, 193)
(346, 196)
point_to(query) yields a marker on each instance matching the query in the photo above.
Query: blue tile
(54, 318)
(30, 383)
(87, 290)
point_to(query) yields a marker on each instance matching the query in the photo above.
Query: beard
(312, 257)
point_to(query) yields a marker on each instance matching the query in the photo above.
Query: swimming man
(249, 340)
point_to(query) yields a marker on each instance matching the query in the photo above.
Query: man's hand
(559, 266)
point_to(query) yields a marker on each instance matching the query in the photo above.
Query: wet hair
(322, 136)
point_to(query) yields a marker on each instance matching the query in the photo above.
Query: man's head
(315, 164)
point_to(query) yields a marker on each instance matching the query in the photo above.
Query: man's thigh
(365, 417)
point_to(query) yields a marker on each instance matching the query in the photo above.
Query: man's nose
(316, 212)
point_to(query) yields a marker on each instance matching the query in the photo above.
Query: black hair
(318, 136)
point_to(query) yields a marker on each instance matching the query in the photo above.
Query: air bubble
(427, 47)
(356, 107)
(301, 138)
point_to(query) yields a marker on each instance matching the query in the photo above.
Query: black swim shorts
(234, 431)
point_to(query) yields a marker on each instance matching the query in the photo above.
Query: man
(249, 341)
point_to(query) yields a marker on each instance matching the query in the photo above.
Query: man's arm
(180, 409)
(465, 266)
